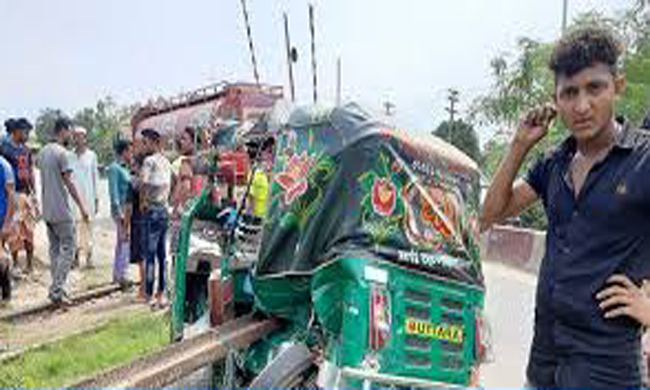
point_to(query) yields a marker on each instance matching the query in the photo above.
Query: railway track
(47, 307)
(183, 358)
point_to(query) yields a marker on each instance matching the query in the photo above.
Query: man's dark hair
(583, 48)
(121, 146)
(151, 134)
(23, 124)
(10, 124)
(62, 124)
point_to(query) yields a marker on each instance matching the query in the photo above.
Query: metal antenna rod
(290, 57)
(338, 81)
(565, 14)
(313, 49)
(251, 48)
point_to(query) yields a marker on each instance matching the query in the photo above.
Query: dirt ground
(33, 289)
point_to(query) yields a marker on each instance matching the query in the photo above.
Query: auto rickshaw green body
(369, 254)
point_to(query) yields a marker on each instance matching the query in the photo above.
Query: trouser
(84, 241)
(156, 240)
(547, 370)
(61, 236)
(121, 256)
(5, 278)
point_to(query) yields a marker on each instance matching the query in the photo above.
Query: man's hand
(534, 126)
(624, 298)
(84, 214)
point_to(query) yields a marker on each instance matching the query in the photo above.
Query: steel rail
(183, 358)
(45, 307)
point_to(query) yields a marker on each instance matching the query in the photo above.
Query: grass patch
(118, 341)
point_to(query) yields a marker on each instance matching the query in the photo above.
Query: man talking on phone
(595, 188)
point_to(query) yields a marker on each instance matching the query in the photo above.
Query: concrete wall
(519, 248)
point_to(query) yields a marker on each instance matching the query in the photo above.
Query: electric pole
(453, 100)
(338, 82)
(565, 12)
(291, 57)
(312, 29)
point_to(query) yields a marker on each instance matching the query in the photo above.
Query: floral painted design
(293, 179)
(382, 206)
(429, 216)
(302, 172)
(384, 196)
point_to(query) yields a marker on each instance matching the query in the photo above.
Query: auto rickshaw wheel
(293, 367)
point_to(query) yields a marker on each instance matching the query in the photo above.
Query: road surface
(510, 307)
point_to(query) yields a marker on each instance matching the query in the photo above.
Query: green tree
(44, 125)
(104, 122)
(462, 135)
(522, 81)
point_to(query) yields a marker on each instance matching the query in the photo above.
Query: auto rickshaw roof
(345, 184)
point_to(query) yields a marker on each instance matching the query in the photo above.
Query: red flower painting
(384, 196)
(294, 178)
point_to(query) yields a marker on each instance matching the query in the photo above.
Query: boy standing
(55, 164)
(596, 194)
(119, 180)
(14, 149)
(85, 175)
(7, 207)
(154, 201)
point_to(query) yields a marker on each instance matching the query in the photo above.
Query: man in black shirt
(596, 194)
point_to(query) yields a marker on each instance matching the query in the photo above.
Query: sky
(68, 53)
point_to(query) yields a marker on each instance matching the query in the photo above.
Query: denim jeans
(547, 370)
(156, 218)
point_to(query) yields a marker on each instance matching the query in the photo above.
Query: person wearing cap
(14, 149)
(85, 175)
(155, 188)
(57, 186)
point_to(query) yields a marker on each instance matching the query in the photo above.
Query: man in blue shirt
(596, 194)
(119, 181)
(7, 207)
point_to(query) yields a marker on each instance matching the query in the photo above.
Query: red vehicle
(221, 112)
(210, 109)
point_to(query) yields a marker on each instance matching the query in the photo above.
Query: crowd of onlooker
(69, 176)
(147, 194)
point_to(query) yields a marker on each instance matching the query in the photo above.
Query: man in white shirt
(85, 175)
(154, 200)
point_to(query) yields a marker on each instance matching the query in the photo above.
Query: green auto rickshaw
(368, 257)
